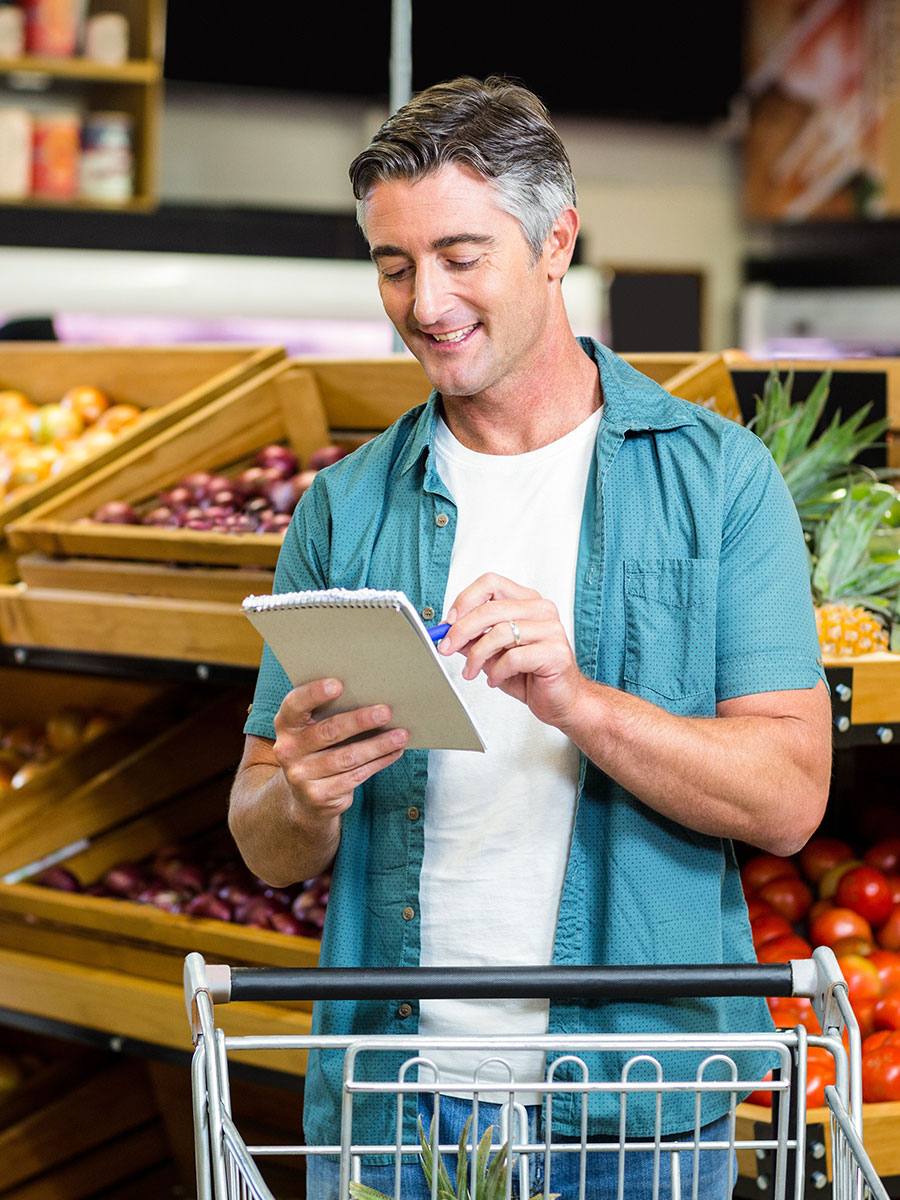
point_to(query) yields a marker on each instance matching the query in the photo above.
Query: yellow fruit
(53, 423)
(14, 404)
(89, 402)
(845, 631)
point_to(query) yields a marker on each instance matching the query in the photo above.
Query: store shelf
(134, 86)
(865, 699)
(84, 69)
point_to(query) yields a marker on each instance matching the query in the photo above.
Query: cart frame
(227, 1168)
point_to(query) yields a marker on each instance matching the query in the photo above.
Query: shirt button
(413, 813)
(441, 520)
(404, 1011)
(427, 613)
(408, 913)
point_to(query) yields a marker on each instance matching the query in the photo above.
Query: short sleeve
(300, 568)
(765, 625)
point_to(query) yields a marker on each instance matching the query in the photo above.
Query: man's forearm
(269, 831)
(755, 777)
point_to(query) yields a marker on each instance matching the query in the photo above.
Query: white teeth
(453, 337)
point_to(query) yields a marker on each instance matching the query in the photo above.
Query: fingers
(324, 760)
(487, 587)
(497, 654)
(491, 620)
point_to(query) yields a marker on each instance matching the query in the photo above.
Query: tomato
(878, 1038)
(789, 896)
(893, 882)
(881, 1073)
(790, 1011)
(837, 923)
(884, 856)
(820, 854)
(819, 907)
(855, 944)
(819, 1073)
(768, 926)
(889, 933)
(756, 907)
(887, 964)
(783, 949)
(760, 1096)
(864, 1011)
(861, 976)
(886, 1013)
(763, 867)
(832, 877)
(866, 891)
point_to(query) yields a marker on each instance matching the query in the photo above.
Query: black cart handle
(491, 983)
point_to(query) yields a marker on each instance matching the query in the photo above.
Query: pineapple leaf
(809, 464)
(462, 1162)
(843, 567)
(362, 1191)
(494, 1178)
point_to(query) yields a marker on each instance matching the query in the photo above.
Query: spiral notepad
(377, 645)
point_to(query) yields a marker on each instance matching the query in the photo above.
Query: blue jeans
(717, 1169)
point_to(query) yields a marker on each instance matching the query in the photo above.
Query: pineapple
(856, 586)
(844, 630)
(811, 468)
(856, 592)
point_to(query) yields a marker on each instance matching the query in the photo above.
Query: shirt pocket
(670, 627)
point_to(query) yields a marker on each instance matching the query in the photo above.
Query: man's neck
(526, 413)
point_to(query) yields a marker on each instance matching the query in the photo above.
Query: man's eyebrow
(443, 243)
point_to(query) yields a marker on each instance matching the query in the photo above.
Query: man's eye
(465, 265)
(396, 274)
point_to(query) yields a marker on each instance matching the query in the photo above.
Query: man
(631, 621)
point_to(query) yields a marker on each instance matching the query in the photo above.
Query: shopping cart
(229, 1169)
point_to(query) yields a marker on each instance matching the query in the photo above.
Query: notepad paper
(377, 645)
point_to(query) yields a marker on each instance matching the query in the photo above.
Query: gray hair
(497, 128)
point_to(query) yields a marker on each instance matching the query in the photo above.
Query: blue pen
(436, 632)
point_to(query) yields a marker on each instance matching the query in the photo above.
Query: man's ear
(560, 244)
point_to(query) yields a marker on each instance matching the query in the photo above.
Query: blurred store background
(178, 172)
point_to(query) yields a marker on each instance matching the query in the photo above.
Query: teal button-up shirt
(692, 587)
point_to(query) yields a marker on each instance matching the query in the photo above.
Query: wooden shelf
(84, 69)
(133, 87)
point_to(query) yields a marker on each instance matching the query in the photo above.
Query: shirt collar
(631, 401)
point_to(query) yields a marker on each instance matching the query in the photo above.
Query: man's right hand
(289, 795)
(321, 764)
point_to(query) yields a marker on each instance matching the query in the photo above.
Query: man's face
(458, 281)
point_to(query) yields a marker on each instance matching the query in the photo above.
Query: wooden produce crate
(167, 382)
(150, 626)
(880, 1126)
(30, 698)
(113, 965)
(283, 404)
(80, 1122)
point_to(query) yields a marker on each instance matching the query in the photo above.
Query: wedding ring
(515, 632)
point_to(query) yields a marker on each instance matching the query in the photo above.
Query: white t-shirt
(498, 825)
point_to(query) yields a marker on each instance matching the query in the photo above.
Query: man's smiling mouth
(456, 336)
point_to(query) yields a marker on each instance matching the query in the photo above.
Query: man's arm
(290, 794)
(758, 771)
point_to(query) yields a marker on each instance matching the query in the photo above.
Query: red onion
(325, 456)
(57, 877)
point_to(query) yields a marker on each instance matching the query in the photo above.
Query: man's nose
(433, 297)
